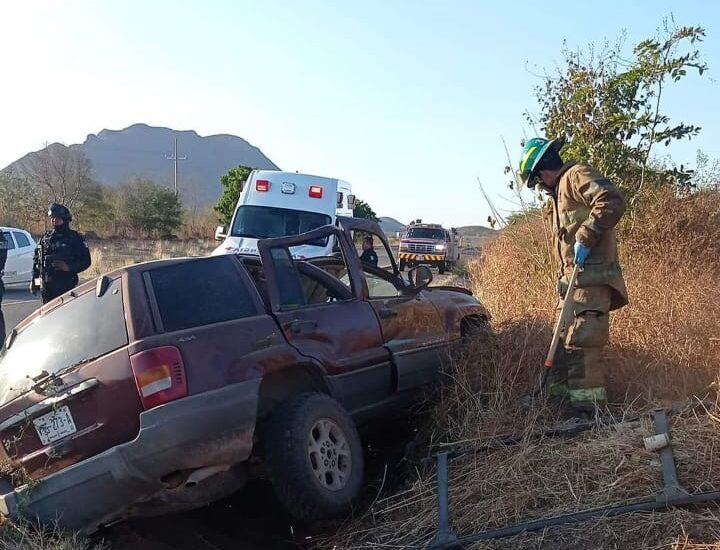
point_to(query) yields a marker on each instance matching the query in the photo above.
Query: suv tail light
(159, 375)
(262, 185)
(316, 191)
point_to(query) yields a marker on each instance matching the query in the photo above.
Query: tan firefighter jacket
(586, 206)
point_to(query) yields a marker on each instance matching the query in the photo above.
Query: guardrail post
(672, 489)
(445, 537)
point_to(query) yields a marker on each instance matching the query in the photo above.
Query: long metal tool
(560, 324)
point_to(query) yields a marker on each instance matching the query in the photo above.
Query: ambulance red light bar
(316, 192)
(262, 186)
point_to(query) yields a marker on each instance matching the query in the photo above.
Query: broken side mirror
(420, 277)
(220, 233)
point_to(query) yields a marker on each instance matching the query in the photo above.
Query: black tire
(441, 268)
(402, 265)
(302, 483)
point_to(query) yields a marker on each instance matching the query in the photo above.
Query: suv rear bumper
(215, 427)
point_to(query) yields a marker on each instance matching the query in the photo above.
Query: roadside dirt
(252, 519)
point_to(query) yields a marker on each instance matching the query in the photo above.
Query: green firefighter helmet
(532, 154)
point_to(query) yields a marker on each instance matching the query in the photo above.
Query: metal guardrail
(672, 495)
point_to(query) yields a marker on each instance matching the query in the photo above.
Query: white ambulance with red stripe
(276, 204)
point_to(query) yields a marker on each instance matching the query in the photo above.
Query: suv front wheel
(314, 457)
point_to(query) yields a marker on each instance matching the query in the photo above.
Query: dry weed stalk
(25, 536)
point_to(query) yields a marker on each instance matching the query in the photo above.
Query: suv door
(209, 309)
(412, 328)
(326, 321)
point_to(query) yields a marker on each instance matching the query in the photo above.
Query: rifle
(48, 269)
(41, 281)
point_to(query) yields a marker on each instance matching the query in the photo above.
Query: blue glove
(581, 253)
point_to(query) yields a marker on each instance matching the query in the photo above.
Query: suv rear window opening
(86, 327)
(200, 292)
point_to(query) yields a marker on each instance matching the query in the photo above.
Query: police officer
(61, 254)
(369, 256)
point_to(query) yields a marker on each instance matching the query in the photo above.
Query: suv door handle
(387, 313)
(299, 327)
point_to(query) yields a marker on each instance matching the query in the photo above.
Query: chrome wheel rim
(329, 455)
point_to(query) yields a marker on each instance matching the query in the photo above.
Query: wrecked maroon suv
(164, 385)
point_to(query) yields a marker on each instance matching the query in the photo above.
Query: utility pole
(175, 160)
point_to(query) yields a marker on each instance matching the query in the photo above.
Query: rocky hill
(390, 226)
(139, 151)
(476, 231)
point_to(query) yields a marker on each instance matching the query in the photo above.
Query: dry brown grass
(23, 536)
(664, 350)
(665, 345)
(111, 254)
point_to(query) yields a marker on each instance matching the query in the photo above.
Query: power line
(175, 160)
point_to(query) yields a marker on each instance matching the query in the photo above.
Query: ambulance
(276, 204)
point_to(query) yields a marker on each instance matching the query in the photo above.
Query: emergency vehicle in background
(277, 204)
(429, 244)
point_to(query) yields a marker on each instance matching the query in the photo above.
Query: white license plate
(421, 258)
(54, 425)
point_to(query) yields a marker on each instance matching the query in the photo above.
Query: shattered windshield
(426, 233)
(264, 222)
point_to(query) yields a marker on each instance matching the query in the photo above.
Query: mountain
(476, 231)
(139, 151)
(390, 226)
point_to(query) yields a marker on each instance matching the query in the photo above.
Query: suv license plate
(421, 258)
(54, 425)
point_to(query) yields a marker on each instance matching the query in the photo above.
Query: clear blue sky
(408, 100)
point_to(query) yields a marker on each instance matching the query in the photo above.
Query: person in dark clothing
(3, 259)
(61, 254)
(369, 256)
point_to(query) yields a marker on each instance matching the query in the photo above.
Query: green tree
(363, 210)
(94, 209)
(23, 202)
(610, 109)
(233, 183)
(149, 208)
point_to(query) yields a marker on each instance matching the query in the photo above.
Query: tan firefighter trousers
(579, 374)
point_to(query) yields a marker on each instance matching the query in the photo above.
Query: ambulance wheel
(402, 265)
(441, 268)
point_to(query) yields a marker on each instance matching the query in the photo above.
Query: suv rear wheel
(314, 457)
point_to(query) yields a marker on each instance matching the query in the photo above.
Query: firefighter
(584, 207)
(61, 254)
(369, 256)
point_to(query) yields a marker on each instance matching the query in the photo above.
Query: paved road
(17, 304)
